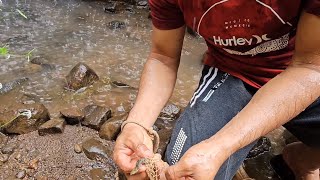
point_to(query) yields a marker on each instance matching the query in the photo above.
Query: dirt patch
(53, 156)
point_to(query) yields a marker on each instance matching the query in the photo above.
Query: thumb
(143, 151)
(176, 172)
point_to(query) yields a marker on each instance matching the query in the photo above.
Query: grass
(29, 54)
(21, 13)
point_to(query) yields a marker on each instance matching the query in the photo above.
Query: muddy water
(67, 32)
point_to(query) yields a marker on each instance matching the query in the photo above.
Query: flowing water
(67, 32)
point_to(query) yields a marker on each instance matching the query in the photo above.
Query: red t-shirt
(250, 39)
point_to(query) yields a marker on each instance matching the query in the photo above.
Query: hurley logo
(234, 41)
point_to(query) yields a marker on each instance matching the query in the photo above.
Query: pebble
(8, 149)
(18, 156)
(77, 148)
(33, 164)
(4, 158)
(21, 174)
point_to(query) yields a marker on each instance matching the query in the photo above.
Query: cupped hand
(132, 144)
(200, 162)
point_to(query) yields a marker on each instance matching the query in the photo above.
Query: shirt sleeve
(166, 14)
(313, 7)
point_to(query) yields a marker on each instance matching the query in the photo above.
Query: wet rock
(168, 117)
(4, 158)
(170, 111)
(114, 25)
(81, 76)
(52, 126)
(77, 148)
(130, 9)
(43, 62)
(111, 129)
(163, 123)
(263, 145)
(142, 4)
(9, 148)
(72, 115)
(257, 164)
(22, 124)
(95, 150)
(165, 135)
(9, 86)
(21, 174)
(111, 8)
(95, 116)
(120, 84)
(97, 174)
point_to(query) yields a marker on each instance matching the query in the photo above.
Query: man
(262, 71)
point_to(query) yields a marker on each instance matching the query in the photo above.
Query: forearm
(156, 86)
(280, 100)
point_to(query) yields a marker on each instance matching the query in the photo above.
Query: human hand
(132, 144)
(202, 161)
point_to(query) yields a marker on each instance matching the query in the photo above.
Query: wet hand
(133, 144)
(201, 162)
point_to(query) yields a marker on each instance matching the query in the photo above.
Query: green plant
(29, 54)
(21, 13)
(4, 51)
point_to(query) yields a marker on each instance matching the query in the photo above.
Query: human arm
(276, 103)
(156, 86)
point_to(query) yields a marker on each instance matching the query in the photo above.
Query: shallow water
(72, 31)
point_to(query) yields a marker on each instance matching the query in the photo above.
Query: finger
(176, 172)
(139, 176)
(143, 151)
(124, 161)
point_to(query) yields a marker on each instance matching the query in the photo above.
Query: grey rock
(9, 86)
(170, 111)
(95, 116)
(21, 174)
(81, 76)
(142, 4)
(9, 148)
(52, 126)
(111, 128)
(114, 25)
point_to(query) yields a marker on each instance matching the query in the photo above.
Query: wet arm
(281, 99)
(159, 75)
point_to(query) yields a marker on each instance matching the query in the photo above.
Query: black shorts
(306, 126)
